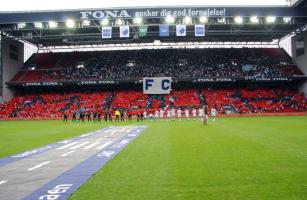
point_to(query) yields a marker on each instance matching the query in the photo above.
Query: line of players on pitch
(172, 114)
(152, 115)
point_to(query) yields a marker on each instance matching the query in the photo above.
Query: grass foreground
(232, 158)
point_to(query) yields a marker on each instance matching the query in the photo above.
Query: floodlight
(80, 66)
(38, 25)
(105, 22)
(86, 23)
(70, 23)
(203, 19)
(221, 20)
(286, 19)
(137, 20)
(238, 20)
(169, 19)
(187, 20)
(254, 20)
(270, 19)
(21, 25)
(53, 24)
(119, 22)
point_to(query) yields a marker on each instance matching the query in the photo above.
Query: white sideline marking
(64, 142)
(39, 165)
(66, 154)
(91, 145)
(107, 131)
(104, 145)
(79, 145)
(123, 129)
(68, 145)
(114, 131)
(99, 139)
(3, 181)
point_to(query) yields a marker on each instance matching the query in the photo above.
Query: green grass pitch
(231, 158)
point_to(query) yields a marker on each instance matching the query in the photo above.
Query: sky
(31, 5)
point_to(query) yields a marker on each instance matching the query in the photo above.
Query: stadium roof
(222, 23)
(31, 5)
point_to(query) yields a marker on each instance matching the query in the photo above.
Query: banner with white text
(157, 85)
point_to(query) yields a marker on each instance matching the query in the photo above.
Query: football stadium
(164, 100)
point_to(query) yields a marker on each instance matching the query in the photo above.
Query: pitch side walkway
(57, 170)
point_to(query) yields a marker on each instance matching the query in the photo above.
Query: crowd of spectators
(264, 100)
(230, 100)
(177, 63)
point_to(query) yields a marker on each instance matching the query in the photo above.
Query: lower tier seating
(232, 100)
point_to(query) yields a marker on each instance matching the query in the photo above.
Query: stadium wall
(301, 61)
(12, 62)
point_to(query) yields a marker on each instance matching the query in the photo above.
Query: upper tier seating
(177, 63)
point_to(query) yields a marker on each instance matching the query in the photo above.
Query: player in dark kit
(74, 117)
(138, 115)
(82, 115)
(95, 117)
(89, 117)
(206, 113)
(99, 117)
(129, 115)
(110, 116)
(65, 117)
(122, 116)
(105, 115)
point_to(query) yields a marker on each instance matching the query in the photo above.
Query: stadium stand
(247, 64)
(256, 100)
(178, 63)
(224, 100)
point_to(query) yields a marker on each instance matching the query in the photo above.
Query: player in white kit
(173, 112)
(145, 115)
(179, 114)
(187, 114)
(194, 113)
(200, 113)
(156, 115)
(161, 113)
(168, 114)
(213, 113)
